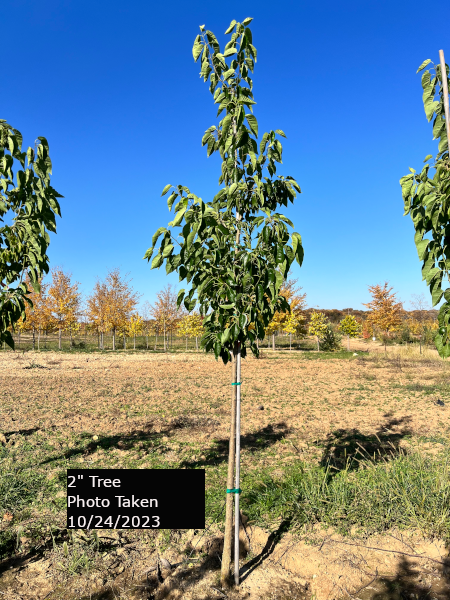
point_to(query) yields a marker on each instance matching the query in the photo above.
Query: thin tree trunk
(273, 341)
(134, 342)
(237, 467)
(290, 341)
(18, 339)
(186, 343)
(98, 340)
(318, 348)
(124, 342)
(165, 334)
(34, 339)
(196, 343)
(420, 344)
(59, 339)
(114, 338)
(146, 337)
(348, 343)
(39, 338)
(102, 342)
(226, 557)
(156, 337)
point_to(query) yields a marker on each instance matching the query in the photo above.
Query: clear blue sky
(114, 88)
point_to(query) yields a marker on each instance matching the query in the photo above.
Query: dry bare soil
(154, 410)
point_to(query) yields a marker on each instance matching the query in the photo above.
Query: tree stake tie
(234, 491)
(236, 383)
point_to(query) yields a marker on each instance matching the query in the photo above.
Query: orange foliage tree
(121, 301)
(97, 311)
(63, 301)
(386, 312)
(295, 320)
(165, 312)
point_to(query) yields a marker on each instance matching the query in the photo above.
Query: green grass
(405, 491)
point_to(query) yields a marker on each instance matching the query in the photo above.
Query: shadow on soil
(346, 447)
(216, 454)
(410, 581)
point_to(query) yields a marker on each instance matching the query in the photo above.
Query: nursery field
(345, 462)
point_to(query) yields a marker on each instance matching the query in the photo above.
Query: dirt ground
(309, 408)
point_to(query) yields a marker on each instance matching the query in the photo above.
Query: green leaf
(226, 335)
(230, 51)
(197, 48)
(171, 200)
(157, 262)
(166, 189)
(428, 157)
(167, 250)
(247, 21)
(252, 123)
(421, 248)
(156, 235)
(436, 295)
(178, 217)
(423, 65)
(280, 132)
(231, 27)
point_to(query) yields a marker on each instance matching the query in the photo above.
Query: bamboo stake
(226, 557)
(238, 467)
(445, 90)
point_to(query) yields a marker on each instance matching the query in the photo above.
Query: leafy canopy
(28, 196)
(427, 201)
(234, 251)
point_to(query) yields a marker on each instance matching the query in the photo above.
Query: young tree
(420, 316)
(234, 250)
(121, 301)
(350, 327)
(190, 326)
(318, 326)
(427, 199)
(284, 321)
(166, 312)
(98, 310)
(386, 313)
(64, 301)
(135, 326)
(33, 203)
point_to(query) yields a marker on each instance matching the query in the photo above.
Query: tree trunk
(124, 342)
(34, 339)
(348, 343)
(39, 338)
(318, 347)
(290, 341)
(165, 335)
(226, 556)
(98, 340)
(146, 337)
(102, 343)
(59, 339)
(114, 338)
(18, 339)
(420, 343)
(273, 341)
(186, 343)
(156, 337)
(134, 342)
(196, 343)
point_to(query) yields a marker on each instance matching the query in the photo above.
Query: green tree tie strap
(234, 491)
(236, 383)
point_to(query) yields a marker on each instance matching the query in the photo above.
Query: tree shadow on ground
(215, 454)
(411, 581)
(345, 448)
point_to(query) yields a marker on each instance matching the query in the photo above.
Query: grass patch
(409, 491)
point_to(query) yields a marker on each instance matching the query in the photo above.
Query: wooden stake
(445, 90)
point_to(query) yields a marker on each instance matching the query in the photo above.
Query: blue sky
(114, 88)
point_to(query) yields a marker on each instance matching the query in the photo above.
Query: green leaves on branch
(33, 202)
(233, 252)
(427, 200)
